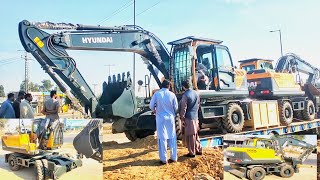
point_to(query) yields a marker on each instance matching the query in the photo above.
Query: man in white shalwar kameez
(164, 103)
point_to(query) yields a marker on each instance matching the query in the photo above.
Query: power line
(10, 62)
(158, 2)
(122, 8)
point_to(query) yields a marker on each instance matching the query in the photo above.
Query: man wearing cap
(165, 105)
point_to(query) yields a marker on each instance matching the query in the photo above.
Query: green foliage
(2, 94)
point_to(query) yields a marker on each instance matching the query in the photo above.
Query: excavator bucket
(118, 98)
(87, 142)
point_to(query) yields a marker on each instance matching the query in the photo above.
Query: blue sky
(243, 25)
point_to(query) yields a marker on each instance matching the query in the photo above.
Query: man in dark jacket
(16, 103)
(189, 107)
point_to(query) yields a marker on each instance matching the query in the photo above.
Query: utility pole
(134, 54)
(26, 71)
(109, 67)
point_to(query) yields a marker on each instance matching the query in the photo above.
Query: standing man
(51, 107)
(16, 103)
(7, 110)
(165, 105)
(26, 111)
(189, 117)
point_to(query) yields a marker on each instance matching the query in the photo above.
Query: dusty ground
(90, 169)
(140, 160)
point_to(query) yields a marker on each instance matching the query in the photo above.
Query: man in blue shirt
(164, 103)
(7, 110)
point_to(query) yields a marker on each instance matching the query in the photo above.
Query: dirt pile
(140, 160)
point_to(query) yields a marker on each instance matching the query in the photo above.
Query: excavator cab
(204, 62)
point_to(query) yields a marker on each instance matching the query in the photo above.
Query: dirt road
(140, 160)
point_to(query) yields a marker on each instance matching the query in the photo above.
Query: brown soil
(140, 160)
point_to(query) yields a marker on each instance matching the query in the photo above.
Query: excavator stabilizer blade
(87, 142)
(118, 98)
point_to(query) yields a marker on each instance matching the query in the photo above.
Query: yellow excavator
(257, 157)
(34, 147)
(296, 99)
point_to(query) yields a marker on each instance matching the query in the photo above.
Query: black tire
(178, 124)
(248, 173)
(45, 167)
(131, 135)
(135, 134)
(309, 111)
(297, 114)
(286, 113)
(286, 171)
(39, 170)
(13, 162)
(257, 173)
(234, 120)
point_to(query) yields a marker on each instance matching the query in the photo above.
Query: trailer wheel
(178, 124)
(39, 170)
(286, 171)
(308, 113)
(257, 173)
(286, 113)
(13, 163)
(234, 120)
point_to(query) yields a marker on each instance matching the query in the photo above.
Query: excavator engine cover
(87, 142)
(118, 98)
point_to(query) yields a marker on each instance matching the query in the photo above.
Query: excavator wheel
(297, 114)
(286, 113)
(178, 127)
(39, 170)
(234, 120)
(13, 162)
(45, 168)
(257, 173)
(133, 135)
(286, 171)
(308, 113)
(248, 173)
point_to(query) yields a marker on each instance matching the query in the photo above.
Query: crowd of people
(21, 107)
(165, 105)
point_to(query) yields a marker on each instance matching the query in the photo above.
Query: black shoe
(171, 161)
(163, 163)
(190, 155)
(199, 153)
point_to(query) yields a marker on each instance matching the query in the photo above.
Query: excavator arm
(290, 141)
(50, 51)
(292, 63)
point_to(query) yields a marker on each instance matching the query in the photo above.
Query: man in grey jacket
(189, 107)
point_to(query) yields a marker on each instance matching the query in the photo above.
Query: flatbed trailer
(294, 127)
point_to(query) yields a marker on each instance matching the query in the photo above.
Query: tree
(2, 94)
(46, 84)
(32, 87)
